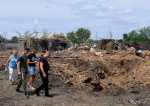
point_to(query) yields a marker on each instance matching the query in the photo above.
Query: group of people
(20, 66)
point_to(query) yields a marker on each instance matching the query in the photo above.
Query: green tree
(15, 39)
(72, 36)
(145, 32)
(141, 35)
(83, 35)
(80, 36)
(92, 41)
(126, 37)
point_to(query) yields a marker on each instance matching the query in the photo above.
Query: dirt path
(67, 96)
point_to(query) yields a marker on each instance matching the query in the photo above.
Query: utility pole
(35, 28)
(96, 36)
(110, 34)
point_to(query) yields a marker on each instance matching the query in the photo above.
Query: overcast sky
(119, 16)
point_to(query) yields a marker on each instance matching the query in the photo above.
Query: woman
(13, 72)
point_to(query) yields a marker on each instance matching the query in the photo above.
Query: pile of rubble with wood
(46, 42)
(110, 44)
(101, 67)
(91, 68)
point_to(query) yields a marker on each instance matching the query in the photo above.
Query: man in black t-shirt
(44, 67)
(32, 68)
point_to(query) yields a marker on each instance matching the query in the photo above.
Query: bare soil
(68, 95)
(79, 77)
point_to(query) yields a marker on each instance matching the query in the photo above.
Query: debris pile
(90, 68)
(93, 69)
(111, 44)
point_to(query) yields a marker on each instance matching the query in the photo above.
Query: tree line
(82, 35)
(4, 39)
(140, 35)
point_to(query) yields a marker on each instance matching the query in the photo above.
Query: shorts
(32, 70)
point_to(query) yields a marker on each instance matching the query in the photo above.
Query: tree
(83, 35)
(125, 37)
(80, 36)
(72, 36)
(92, 41)
(141, 35)
(3, 36)
(27, 33)
(14, 39)
(145, 32)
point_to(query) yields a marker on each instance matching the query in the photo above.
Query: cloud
(68, 15)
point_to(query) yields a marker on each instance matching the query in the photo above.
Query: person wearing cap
(13, 72)
(23, 71)
(44, 68)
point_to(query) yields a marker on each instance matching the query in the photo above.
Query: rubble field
(88, 70)
(93, 69)
(117, 76)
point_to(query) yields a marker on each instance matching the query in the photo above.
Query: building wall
(21, 45)
(11, 45)
(8, 45)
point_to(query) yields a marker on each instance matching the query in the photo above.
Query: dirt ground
(80, 77)
(68, 95)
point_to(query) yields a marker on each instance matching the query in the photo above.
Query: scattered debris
(137, 101)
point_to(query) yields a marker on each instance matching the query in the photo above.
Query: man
(44, 67)
(32, 68)
(23, 71)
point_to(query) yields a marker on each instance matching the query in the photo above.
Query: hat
(27, 49)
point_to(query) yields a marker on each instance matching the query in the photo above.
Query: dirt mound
(95, 69)
(88, 71)
(84, 74)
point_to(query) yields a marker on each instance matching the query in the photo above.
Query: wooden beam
(47, 35)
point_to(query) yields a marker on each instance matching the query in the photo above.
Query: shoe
(33, 89)
(48, 95)
(26, 95)
(37, 93)
(17, 90)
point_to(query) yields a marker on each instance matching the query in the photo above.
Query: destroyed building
(111, 44)
(53, 43)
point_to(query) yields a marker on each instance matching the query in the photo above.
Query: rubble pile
(111, 44)
(93, 69)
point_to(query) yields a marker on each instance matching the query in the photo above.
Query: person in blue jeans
(13, 72)
(32, 68)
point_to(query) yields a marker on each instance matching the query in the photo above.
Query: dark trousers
(23, 81)
(44, 84)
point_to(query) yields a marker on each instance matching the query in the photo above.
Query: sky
(99, 16)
